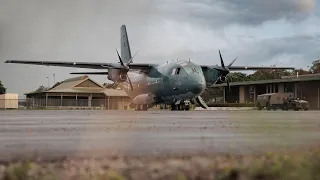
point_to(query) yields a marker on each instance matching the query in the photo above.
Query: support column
(274, 87)
(108, 102)
(89, 100)
(295, 90)
(105, 103)
(318, 98)
(241, 94)
(224, 94)
(254, 93)
(76, 99)
(46, 99)
(61, 100)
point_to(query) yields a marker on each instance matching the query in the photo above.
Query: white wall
(9, 101)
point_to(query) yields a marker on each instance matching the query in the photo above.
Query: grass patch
(17, 171)
(275, 166)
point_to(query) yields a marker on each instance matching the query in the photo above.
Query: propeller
(126, 68)
(224, 71)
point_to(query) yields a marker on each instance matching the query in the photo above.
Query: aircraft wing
(235, 68)
(88, 65)
(244, 68)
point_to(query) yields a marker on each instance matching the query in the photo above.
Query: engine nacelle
(117, 75)
(144, 99)
(223, 79)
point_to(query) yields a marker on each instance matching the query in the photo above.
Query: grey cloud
(81, 30)
(218, 13)
(74, 30)
(296, 51)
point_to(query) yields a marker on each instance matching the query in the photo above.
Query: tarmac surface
(59, 133)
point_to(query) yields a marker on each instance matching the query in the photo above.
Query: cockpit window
(178, 71)
(192, 69)
(188, 69)
(197, 69)
(175, 71)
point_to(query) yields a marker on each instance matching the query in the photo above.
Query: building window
(288, 87)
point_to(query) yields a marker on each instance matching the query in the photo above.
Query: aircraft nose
(198, 88)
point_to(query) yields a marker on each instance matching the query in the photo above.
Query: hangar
(305, 87)
(79, 92)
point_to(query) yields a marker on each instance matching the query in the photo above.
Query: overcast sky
(281, 32)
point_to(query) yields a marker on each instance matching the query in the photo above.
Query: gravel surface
(53, 134)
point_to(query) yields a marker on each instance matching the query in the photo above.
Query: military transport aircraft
(147, 85)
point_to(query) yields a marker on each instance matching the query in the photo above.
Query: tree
(237, 77)
(41, 89)
(3, 90)
(264, 74)
(301, 71)
(315, 68)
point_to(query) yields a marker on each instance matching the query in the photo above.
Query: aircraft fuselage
(167, 83)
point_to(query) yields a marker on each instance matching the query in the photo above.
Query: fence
(42, 103)
(107, 104)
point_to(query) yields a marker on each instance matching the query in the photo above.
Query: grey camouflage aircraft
(173, 83)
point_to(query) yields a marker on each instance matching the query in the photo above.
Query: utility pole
(54, 79)
(48, 82)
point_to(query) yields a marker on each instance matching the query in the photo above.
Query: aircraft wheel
(259, 107)
(137, 108)
(268, 107)
(144, 107)
(173, 107)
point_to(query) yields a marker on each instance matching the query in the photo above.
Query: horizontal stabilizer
(93, 73)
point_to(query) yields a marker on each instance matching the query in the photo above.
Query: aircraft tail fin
(125, 46)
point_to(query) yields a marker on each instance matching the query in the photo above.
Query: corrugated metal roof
(300, 78)
(72, 82)
(68, 85)
(75, 90)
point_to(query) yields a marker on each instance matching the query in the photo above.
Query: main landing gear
(143, 107)
(182, 106)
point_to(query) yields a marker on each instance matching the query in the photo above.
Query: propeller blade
(130, 61)
(232, 62)
(216, 81)
(121, 62)
(222, 63)
(130, 83)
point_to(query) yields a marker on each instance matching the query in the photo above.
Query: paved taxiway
(92, 133)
